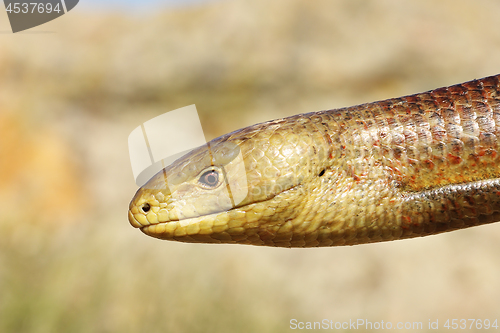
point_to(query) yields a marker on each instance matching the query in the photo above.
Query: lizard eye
(209, 179)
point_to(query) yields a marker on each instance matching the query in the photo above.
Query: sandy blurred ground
(72, 90)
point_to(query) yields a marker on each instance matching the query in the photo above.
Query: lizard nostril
(146, 207)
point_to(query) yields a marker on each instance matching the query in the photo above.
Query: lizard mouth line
(189, 220)
(184, 221)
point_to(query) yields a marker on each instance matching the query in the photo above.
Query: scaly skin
(400, 168)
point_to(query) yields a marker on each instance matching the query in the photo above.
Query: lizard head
(237, 188)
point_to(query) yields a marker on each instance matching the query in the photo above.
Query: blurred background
(73, 89)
